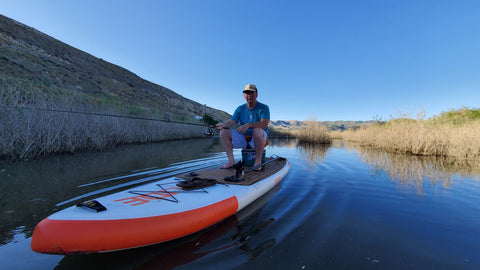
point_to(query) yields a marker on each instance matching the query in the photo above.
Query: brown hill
(331, 125)
(287, 124)
(28, 56)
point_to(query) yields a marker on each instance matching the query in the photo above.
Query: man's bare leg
(259, 142)
(226, 140)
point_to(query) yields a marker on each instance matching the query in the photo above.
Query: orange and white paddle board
(152, 213)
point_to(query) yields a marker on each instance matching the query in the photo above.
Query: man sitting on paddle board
(253, 118)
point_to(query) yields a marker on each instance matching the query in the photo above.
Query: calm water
(340, 207)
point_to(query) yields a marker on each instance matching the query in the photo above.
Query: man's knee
(258, 132)
(225, 133)
(259, 135)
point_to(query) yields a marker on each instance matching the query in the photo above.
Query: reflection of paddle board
(152, 213)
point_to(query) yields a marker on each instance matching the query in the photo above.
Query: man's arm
(227, 124)
(263, 124)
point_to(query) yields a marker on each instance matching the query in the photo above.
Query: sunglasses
(249, 92)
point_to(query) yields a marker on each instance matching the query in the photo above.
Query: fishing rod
(104, 115)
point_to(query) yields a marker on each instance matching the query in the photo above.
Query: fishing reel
(209, 131)
(238, 173)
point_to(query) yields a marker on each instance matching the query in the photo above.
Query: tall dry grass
(27, 134)
(433, 137)
(313, 132)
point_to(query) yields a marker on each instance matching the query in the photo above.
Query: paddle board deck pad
(156, 212)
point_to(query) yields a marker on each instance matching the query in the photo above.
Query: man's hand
(243, 128)
(225, 125)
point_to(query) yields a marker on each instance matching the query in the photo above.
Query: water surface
(340, 207)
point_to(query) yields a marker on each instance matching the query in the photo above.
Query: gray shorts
(239, 141)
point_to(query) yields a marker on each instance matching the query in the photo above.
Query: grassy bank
(453, 134)
(27, 134)
(274, 132)
(313, 132)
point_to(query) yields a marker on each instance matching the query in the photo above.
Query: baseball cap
(250, 87)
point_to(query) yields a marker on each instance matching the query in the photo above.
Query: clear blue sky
(334, 60)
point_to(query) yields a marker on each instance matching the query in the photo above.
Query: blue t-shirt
(243, 115)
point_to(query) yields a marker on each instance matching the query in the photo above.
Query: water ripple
(148, 176)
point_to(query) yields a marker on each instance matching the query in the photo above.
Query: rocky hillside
(29, 56)
(331, 125)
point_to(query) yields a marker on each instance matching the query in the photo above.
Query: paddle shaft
(261, 164)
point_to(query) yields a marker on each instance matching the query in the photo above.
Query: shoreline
(453, 135)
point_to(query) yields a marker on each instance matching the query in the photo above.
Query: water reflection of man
(253, 118)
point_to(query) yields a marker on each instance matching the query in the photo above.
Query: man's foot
(259, 168)
(228, 165)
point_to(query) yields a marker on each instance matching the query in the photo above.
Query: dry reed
(313, 132)
(421, 137)
(27, 134)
